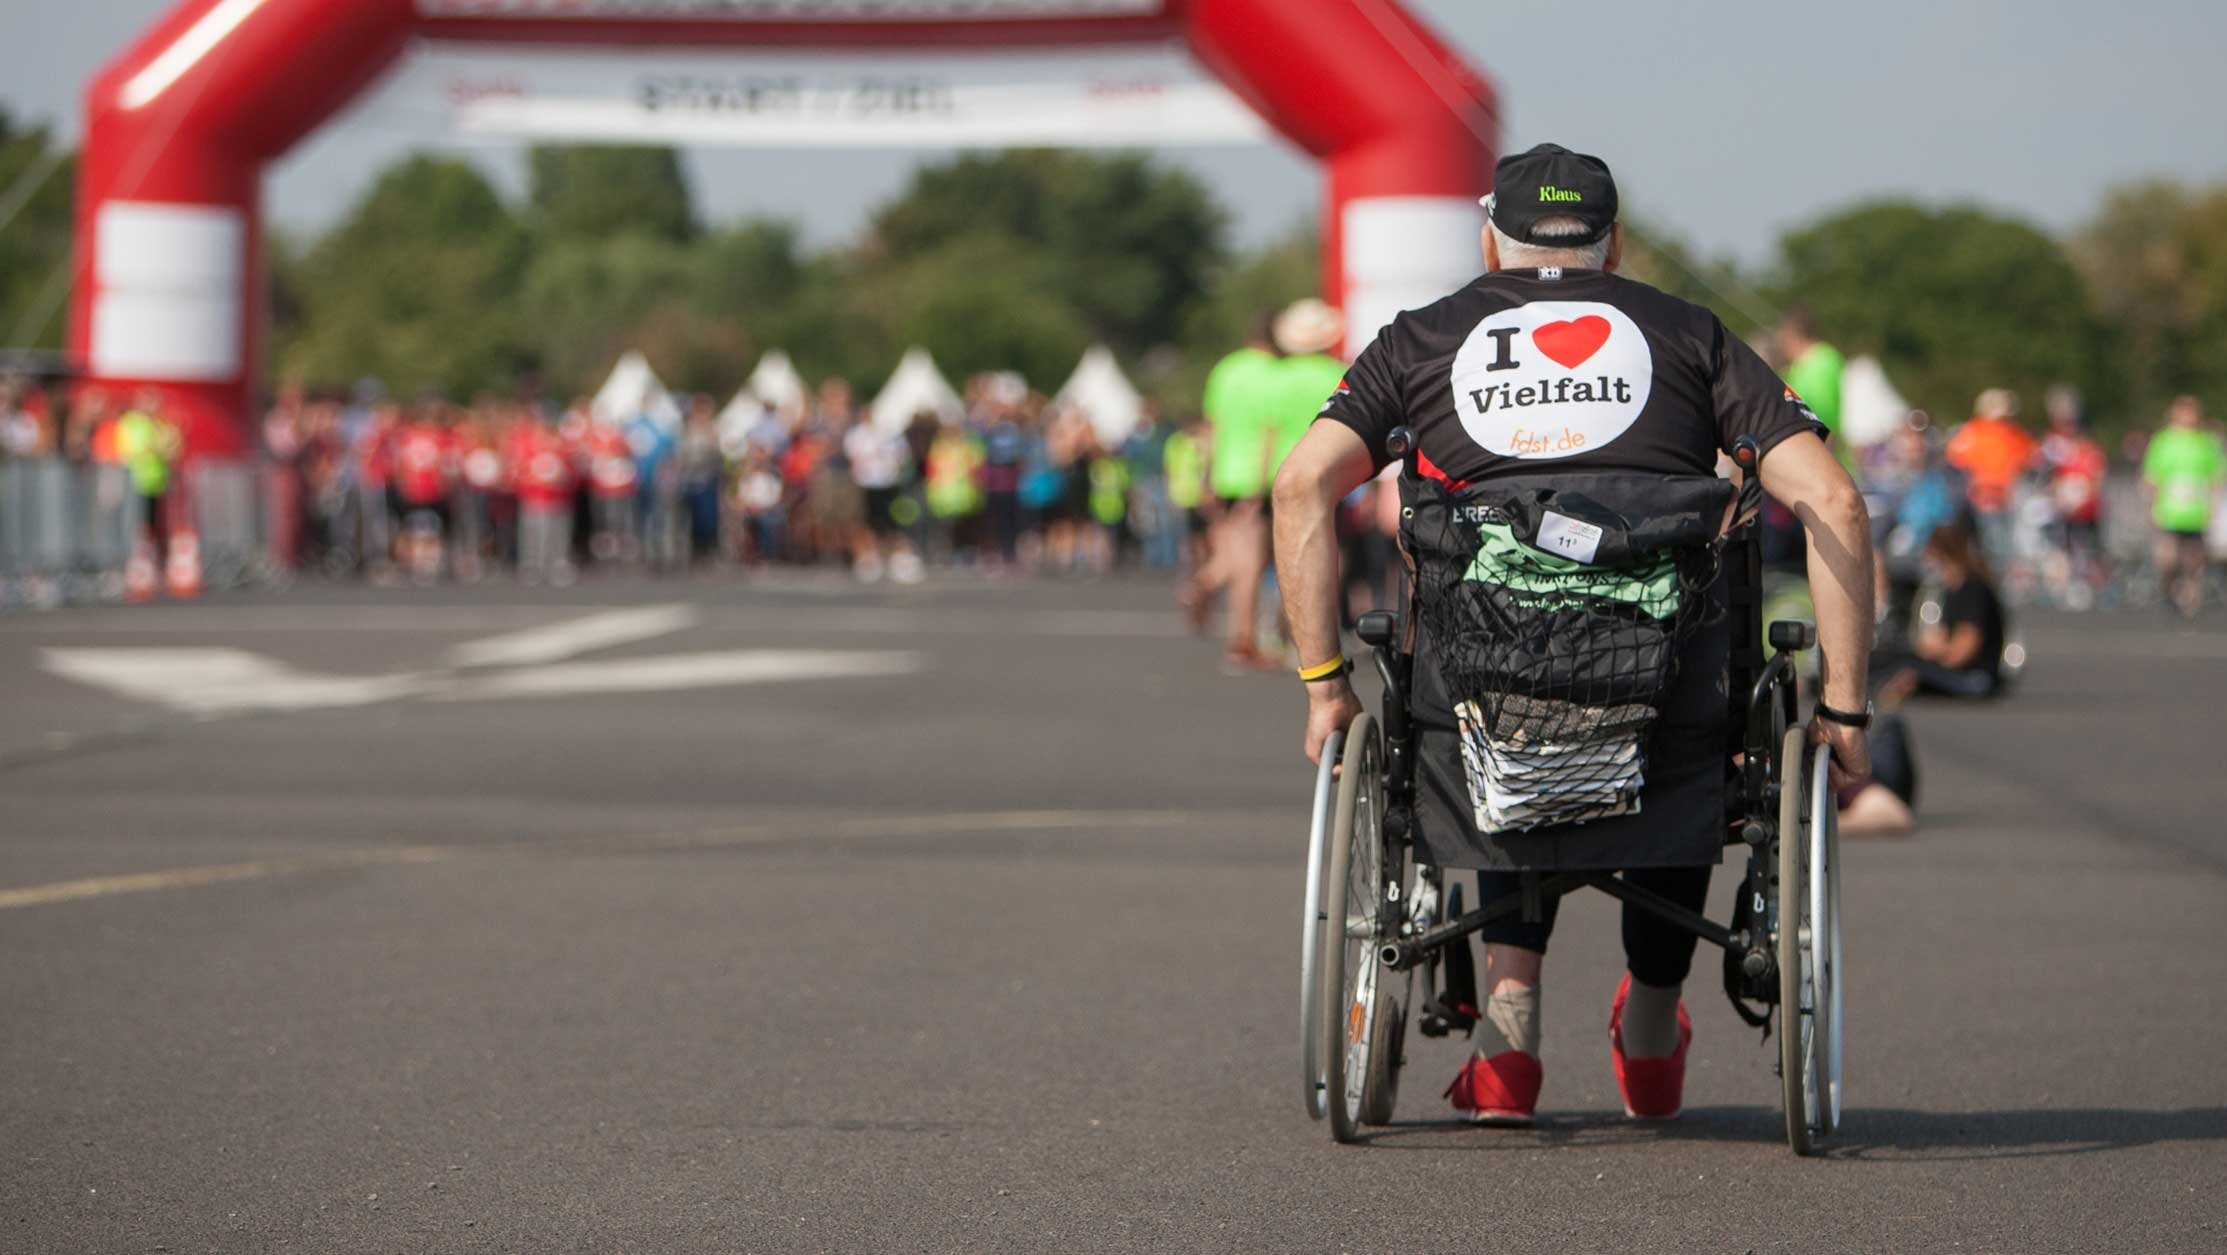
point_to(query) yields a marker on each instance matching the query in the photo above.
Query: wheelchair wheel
(1825, 954)
(1808, 944)
(1356, 1018)
(1312, 915)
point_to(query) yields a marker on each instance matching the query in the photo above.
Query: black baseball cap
(1550, 181)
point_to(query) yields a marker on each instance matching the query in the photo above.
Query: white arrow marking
(556, 642)
(228, 681)
(682, 671)
(220, 681)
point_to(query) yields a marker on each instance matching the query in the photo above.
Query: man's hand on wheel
(1851, 751)
(1331, 706)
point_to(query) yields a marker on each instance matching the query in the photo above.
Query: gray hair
(1517, 255)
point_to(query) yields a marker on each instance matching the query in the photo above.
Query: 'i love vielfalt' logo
(1552, 379)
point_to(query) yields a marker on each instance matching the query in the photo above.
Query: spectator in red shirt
(612, 481)
(545, 487)
(2075, 465)
(425, 465)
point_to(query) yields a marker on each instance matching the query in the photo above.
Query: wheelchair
(1386, 935)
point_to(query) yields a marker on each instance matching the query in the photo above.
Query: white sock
(1651, 1021)
(1510, 1021)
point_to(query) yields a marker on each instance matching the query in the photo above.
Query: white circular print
(1552, 379)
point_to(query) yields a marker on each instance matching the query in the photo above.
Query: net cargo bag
(1557, 613)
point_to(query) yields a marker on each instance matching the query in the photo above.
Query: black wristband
(1842, 717)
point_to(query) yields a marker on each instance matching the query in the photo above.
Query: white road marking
(682, 671)
(556, 642)
(216, 874)
(213, 681)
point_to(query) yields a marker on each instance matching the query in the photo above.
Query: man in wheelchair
(1562, 701)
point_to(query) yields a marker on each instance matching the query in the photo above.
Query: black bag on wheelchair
(1557, 611)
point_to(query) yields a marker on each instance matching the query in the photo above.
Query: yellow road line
(215, 874)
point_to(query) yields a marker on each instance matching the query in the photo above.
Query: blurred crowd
(436, 489)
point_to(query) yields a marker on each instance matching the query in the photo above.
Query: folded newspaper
(1562, 763)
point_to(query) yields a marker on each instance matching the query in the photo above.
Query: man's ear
(1615, 249)
(1492, 254)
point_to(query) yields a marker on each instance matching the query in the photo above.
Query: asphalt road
(433, 921)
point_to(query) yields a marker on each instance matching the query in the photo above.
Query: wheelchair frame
(1779, 808)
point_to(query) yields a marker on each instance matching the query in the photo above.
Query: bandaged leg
(1510, 1021)
(1510, 1016)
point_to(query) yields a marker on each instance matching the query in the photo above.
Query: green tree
(1130, 244)
(582, 300)
(36, 180)
(2155, 258)
(418, 287)
(599, 191)
(987, 303)
(1951, 300)
(838, 323)
(752, 270)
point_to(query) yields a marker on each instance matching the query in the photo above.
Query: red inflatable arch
(169, 291)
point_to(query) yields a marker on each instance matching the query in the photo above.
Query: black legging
(1658, 952)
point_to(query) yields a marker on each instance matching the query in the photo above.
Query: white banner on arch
(875, 111)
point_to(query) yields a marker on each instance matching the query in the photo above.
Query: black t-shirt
(1523, 371)
(1975, 603)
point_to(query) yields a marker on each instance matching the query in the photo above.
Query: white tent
(633, 391)
(777, 383)
(917, 385)
(1104, 395)
(1870, 408)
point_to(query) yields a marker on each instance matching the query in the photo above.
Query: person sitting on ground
(1959, 654)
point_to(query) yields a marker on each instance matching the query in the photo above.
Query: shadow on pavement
(1880, 1132)
(1883, 1133)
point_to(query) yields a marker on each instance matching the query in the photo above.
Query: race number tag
(1565, 537)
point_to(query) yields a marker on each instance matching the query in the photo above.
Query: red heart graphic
(1572, 342)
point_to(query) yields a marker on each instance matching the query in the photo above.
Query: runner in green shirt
(1815, 378)
(2183, 468)
(1240, 403)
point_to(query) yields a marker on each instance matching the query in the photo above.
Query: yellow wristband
(1325, 670)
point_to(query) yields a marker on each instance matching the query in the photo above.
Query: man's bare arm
(1329, 462)
(1805, 477)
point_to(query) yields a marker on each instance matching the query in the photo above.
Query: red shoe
(1654, 1089)
(1501, 1090)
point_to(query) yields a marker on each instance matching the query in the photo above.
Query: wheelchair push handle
(1747, 454)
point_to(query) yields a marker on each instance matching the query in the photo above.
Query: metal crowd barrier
(65, 531)
(225, 500)
(68, 530)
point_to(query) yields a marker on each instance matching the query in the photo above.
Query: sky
(1726, 121)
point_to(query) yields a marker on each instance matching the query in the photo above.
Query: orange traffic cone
(184, 575)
